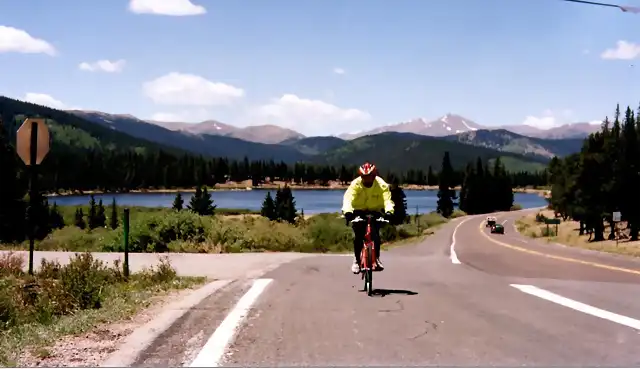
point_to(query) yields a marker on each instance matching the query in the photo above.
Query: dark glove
(388, 216)
(348, 217)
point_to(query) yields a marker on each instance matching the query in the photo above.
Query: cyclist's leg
(377, 242)
(359, 230)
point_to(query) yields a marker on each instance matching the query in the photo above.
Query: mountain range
(400, 150)
(449, 124)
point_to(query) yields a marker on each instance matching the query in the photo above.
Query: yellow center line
(597, 265)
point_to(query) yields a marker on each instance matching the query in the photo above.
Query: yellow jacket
(374, 198)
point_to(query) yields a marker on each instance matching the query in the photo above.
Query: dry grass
(68, 300)
(568, 235)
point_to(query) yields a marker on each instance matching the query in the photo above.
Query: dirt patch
(568, 234)
(94, 347)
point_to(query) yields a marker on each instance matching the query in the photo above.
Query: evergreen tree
(466, 195)
(12, 192)
(285, 205)
(201, 202)
(92, 219)
(178, 202)
(268, 208)
(446, 194)
(207, 206)
(79, 219)
(101, 218)
(400, 203)
(630, 173)
(56, 221)
(196, 199)
(113, 220)
(38, 216)
(432, 180)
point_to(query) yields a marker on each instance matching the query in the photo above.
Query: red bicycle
(368, 255)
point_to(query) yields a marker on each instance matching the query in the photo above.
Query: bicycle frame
(368, 255)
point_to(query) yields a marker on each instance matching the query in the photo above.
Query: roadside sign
(24, 140)
(617, 216)
(552, 221)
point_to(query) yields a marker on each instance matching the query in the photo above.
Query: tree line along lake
(311, 201)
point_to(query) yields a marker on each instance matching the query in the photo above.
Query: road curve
(501, 306)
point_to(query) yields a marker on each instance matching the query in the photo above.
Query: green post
(125, 226)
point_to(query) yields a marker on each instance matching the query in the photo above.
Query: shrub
(11, 264)
(516, 207)
(83, 280)
(328, 232)
(458, 213)
(540, 218)
(73, 239)
(154, 232)
(548, 232)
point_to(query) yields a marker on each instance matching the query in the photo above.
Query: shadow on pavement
(384, 292)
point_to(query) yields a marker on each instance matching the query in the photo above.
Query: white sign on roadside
(617, 216)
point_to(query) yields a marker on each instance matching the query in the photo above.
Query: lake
(312, 201)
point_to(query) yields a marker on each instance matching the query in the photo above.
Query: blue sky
(250, 62)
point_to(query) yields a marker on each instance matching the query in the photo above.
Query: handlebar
(360, 219)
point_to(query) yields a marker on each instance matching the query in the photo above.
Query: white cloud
(310, 116)
(103, 66)
(549, 119)
(624, 50)
(44, 99)
(176, 8)
(188, 89)
(48, 101)
(19, 41)
(339, 71)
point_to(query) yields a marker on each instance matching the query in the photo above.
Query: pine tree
(630, 173)
(113, 219)
(196, 199)
(56, 221)
(178, 202)
(79, 219)
(92, 219)
(268, 208)
(466, 194)
(208, 208)
(201, 202)
(432, 180)
(38, 216)
(399, 201)
(12, 192)
(285, 205)
(101, 217)
(446, 194)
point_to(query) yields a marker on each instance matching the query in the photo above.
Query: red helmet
(367, 169)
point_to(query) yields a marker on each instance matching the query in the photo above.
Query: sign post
(617, 217)
(555, 221)
(32, 145)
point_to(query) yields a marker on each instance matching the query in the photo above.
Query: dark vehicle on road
(497, 228)
(491, 221)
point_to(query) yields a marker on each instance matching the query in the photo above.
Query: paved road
(510, 302)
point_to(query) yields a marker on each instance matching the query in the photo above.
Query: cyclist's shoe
(379, 266)
(355, 267)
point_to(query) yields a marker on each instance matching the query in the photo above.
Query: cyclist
(368, 192)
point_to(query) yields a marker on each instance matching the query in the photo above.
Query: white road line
(584, 308)
(213, 351)
(452, 249)
(505, 221)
